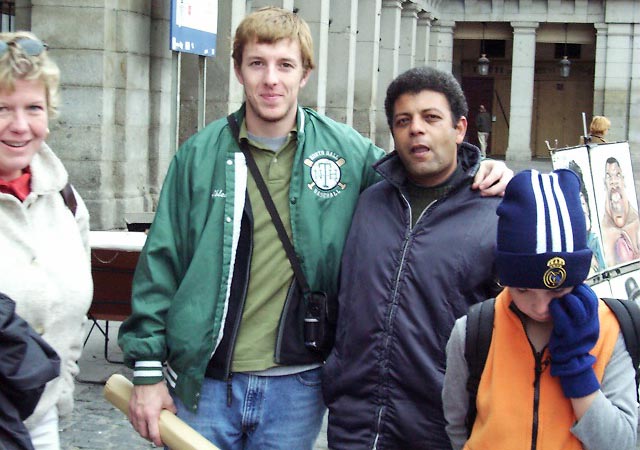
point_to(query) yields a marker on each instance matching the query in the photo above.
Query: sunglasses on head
(28, 46)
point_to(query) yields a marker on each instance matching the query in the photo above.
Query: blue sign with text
(194, 26)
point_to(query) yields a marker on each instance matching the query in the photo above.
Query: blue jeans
(280, 412)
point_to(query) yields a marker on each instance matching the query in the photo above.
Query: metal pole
(202, 91)
(176, 63)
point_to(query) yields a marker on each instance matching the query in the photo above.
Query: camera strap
(271, 207)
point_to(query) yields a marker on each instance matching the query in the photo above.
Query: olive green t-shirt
(270, 273)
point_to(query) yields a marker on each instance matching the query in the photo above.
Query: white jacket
(45, 268)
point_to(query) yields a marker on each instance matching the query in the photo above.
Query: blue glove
(575, 332)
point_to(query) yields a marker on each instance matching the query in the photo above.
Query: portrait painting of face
(617, 203)
(577, 160)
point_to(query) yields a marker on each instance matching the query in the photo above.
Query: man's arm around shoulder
(492, 178)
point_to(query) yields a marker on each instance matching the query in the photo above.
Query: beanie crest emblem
(555, 274)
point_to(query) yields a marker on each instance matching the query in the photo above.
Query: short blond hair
(599, 125)
(15, 65)
(269, 25)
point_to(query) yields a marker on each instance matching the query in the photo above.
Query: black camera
(316, 322)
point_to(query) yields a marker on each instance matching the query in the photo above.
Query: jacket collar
(47, 172)
(390, 167)
(300, 119)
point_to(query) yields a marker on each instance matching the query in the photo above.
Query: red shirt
(19, 187)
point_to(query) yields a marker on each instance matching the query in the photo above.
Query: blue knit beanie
(542, 234)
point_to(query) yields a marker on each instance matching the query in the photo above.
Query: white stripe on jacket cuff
(147, 372)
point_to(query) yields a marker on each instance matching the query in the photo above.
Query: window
(7, 20)
(494, 48)
(573, 51)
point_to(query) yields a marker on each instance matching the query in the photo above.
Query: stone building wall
(115, 132)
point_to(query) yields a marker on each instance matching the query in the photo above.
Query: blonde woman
(598, 129)
(45, 265)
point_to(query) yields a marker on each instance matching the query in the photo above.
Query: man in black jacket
(418, 254)
(27, 363)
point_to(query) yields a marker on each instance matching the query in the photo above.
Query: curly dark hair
(420, 79)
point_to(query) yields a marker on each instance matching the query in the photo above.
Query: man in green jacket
(217, 313)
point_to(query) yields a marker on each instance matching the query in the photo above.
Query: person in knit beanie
(557, 374)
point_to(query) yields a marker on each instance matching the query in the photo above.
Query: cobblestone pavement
(95, 424)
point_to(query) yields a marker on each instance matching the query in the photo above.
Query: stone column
(634, 109)
(441, 50)
(388, 67)
(316, 14)
(189, 96)
(617, 79)
(600, 68)
(524, 58)
(408, 26)
(160, 69)
(343, 27)
(23, 15)
(423, 36)
(102, 134)
(367, 61)
(224, 93)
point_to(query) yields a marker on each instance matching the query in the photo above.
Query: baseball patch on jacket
(325, 171)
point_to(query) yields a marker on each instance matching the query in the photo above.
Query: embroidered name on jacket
(218, 193)
(326, 173)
